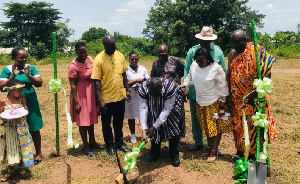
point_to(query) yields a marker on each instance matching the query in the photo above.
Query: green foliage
(94, 34)
(281, 44)
(31, 25)
(39, 51)
(176, 23)
(62, 33)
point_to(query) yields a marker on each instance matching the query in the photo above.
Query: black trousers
(114, 110)
(173, 148)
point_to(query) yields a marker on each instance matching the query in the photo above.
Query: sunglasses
(133, 59)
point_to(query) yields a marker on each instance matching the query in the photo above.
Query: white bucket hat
(206, 34)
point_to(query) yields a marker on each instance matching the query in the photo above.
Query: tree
(176, 23)
(62, 33)
(94, 34)
(30, 23)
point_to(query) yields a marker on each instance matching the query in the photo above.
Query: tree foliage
(31, 25)
(176, 23)
(94, 34)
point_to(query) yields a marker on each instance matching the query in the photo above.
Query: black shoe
(151, 158)
(196, 148)
(124, 149)
(110, 151)
(176, 162)
(252, 157)
(97, 146)
(238, 155)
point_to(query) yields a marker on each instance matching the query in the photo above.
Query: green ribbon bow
(241, 170)
(55, 87)
(261, 120)
(131, 157)
(263, 87)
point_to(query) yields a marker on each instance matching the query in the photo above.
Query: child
(17, 139)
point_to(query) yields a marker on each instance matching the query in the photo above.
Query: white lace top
(210, 83)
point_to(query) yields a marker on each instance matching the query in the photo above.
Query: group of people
(106, 86)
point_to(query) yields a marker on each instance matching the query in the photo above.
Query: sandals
(6, 177)
(24, 173)
(213, 158)
(10, 173)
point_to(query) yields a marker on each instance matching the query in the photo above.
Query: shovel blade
(257, 173)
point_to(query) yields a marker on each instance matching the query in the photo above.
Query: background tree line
(172, 23)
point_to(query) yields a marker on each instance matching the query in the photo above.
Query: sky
(128, 16)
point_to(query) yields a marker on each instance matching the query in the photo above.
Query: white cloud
(269, 6)
(130, 17)
(297, 9)
(276, 10)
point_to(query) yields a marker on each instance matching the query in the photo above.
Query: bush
(39, 51)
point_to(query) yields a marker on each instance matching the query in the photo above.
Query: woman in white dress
(136, 74)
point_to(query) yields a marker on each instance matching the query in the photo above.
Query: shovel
(257, 171)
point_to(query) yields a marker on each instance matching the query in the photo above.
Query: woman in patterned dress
(28, 75)
(211, 87)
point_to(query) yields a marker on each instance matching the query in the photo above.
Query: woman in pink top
(82, 98)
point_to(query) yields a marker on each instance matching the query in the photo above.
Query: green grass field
(73, 167)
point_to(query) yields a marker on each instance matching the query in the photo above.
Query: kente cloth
(243, 73)
(18, 139)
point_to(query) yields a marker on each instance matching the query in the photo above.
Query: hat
(14, 113)
(206, 34)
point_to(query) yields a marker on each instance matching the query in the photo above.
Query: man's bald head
(239, 40)
(163, 52)
(163, 47)
(109, 43)
(239, 33)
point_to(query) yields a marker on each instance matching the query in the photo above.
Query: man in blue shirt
(205, 37)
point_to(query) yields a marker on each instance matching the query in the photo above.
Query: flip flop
(36, 162)
(89, 154)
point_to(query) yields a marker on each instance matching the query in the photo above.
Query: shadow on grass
(144, 167)
(15, 178)
(201, 154)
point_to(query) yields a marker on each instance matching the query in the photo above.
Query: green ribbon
(55, 87)
(131, 157)
(261, 120)
(241, 170)
(263, 87)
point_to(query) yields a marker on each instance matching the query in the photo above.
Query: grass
(73, 166)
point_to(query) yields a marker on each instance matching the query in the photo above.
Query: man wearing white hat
(205, 37)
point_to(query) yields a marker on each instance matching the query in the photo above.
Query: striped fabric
(170, 128)
(18, 140)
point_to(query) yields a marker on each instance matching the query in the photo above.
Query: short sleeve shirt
(109, 69)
